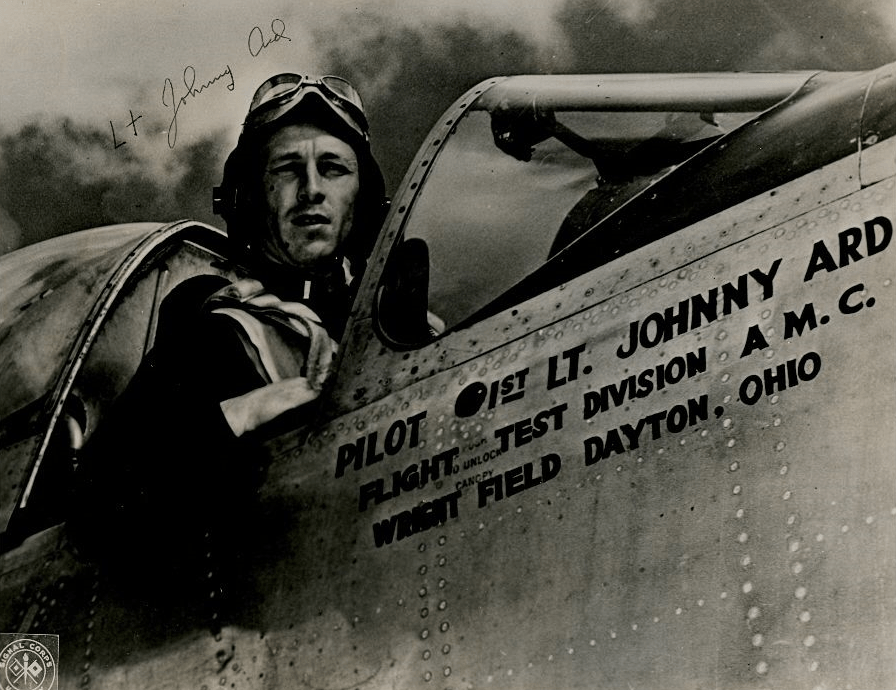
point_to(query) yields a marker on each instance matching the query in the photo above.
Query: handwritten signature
(192, 92)
(256, 37)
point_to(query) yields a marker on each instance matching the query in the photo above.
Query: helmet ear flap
(231, 200)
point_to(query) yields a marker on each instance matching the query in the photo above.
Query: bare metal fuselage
(667, 464)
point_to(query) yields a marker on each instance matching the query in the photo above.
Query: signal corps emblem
(29, 663)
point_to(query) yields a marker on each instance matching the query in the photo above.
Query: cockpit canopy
(537, 162)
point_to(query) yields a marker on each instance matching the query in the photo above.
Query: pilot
(237, 361)
(303, 199)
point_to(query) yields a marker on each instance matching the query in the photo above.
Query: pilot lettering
(517, 479)
(414, 476)
(420, 518)
(676, 419)
(500, 392)
(643, 384)
(572, 371)
(779, 378)
(848, 305)
(878, 233)
(697, 310)
(365, 451)
(529, 429)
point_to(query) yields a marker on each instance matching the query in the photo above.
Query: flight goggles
(281, 93)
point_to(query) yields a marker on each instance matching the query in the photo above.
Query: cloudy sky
(75, 73)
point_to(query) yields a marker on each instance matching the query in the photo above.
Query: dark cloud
(409, 76)
(61, 176)
(707, 35)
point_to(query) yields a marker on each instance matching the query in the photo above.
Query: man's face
(310, 181)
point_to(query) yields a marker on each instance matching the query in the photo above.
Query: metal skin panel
(749, 544)
(747, 541)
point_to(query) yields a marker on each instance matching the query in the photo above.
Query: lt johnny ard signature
(256, 43)
(170, 100)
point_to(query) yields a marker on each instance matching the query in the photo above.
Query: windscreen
(513, 186)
